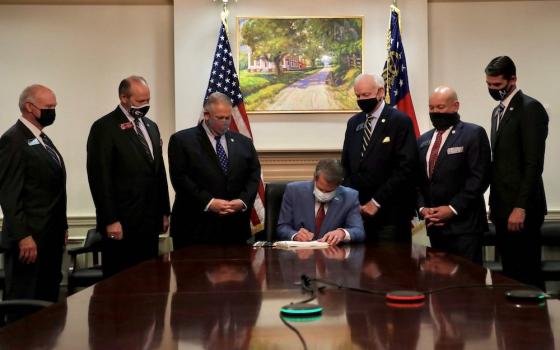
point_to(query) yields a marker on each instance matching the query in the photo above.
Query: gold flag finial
(225, 13)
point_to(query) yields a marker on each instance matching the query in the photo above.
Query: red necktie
(319, 220)
(434, 153)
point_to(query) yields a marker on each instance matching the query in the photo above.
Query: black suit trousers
(521, 251)
(133, 249)
(398, 232)
(39, 280)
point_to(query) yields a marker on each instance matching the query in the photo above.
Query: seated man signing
(321, 209)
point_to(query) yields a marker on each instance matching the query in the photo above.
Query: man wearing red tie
(455, 159)
(321, 209)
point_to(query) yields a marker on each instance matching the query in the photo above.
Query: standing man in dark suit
(33, 198)
(127, 179)
(215, 173)
(380, 159)
(455, 165)
(517, 198)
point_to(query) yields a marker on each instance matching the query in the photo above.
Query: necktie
(222, 156)
(368, 129)
(142, 139)
(49, 146)
(434, 153)
(319, 217)
(499, 114)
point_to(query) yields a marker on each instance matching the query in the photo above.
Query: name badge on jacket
(32, 142)
(455, 150)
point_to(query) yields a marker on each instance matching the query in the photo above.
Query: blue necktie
(222, 156)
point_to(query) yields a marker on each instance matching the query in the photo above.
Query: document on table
(298, 244)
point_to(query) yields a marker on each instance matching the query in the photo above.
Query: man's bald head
(33, 93)
(37, 102)
(444, 100)
(134, 92)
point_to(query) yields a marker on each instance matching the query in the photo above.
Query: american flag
(224, 79)
(397, 92)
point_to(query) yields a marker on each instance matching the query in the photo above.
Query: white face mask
(323, 197)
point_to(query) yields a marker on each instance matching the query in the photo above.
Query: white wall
(82, 53)
(196, 30)
(465, 36)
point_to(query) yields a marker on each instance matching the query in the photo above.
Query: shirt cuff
(209, 204)
(375, 202)
(244, 207)
(294, 236)
(347, 237)
(453, 210)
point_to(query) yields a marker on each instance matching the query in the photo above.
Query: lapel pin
(231, 140)
(383, 120)
(453, 131)
(511, 108)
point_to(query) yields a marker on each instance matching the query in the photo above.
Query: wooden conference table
(230, 297)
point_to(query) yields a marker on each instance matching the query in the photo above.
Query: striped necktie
(49, 146)
(368, 130)
(499, 114)
(142, 139)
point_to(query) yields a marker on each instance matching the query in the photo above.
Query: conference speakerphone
(298, 310)
(405, 297)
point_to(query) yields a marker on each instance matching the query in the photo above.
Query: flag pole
(225, 13)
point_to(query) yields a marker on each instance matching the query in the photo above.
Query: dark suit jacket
(32, 190)
(386, 172)
(125, 184)
(197, 178)
(518, 158)
(460, 178)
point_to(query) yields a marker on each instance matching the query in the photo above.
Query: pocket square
(455, 150)
(387, 139)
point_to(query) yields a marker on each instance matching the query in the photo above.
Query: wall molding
(292, 165)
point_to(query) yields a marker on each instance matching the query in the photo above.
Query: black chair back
(273, 194)
(13, 310)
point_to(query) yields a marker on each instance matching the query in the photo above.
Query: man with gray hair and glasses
(321, 209)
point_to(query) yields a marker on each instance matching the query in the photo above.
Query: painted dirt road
(310, 93)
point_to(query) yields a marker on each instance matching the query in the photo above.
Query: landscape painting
(296, 64)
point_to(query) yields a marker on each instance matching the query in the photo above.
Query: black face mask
(442, 121)
(367, 105)
(139, 112)
(47, 117)
(500, 94)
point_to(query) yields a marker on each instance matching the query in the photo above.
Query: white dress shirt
(443, 139)
(36, 132)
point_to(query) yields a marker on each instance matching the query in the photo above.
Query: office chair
(13, 310)
(86, 276)
(550, 238)
(273, 194)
